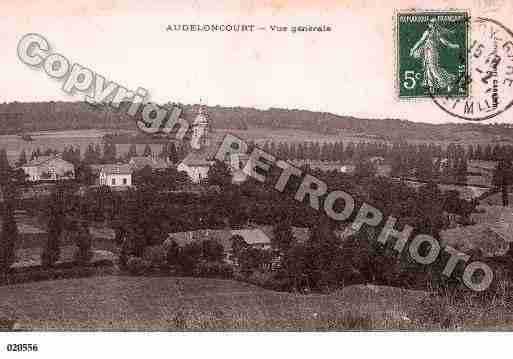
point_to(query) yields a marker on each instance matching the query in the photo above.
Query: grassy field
(158, 303)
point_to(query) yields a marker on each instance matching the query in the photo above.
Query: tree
(5, 167)
(283, 237)
(364, 168)
(173, 153)
(144, 177)
(502, 178)
(8, 236)
(147, 151)
(84, 174)
(98, 152)
(109, 153)
(253, 259)
(461, 170)
(10, 179)
(238, 245)
(164, 152)
(132, 151)
(219, 174)
(188, 257)
(212, 250)
(294, 266)
(84, 251)
(90, 155)
(22, 159)
(172, 252)
(51, 251)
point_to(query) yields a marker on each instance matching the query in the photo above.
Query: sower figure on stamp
(428, 48)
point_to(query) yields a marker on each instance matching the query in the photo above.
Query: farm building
(48, 168)
(492, 233)
(253, 237)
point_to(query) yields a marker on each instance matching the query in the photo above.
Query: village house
(48, 168)
(114, 175)
(254, 237)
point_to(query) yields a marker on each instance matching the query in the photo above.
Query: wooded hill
(17, 117)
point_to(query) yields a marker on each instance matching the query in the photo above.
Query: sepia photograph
(255, 167)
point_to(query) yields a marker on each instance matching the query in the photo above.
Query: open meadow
(183, 303)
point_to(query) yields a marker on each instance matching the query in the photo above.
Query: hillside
(184, 303)
(19, 118)
(167, 303)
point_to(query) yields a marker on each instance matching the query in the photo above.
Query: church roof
(138, 162)
(198, 159)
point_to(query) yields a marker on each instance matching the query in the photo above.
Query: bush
(84, 252)
(189, 257)
(214, 270)
(137, 266)
(58, 271)
(172, 251)
(8, 238)
(156, 256)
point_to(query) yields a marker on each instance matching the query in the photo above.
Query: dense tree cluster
(10, 182)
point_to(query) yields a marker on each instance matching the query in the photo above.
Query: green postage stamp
(432, 54)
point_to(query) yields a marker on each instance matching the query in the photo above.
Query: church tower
(201, 130)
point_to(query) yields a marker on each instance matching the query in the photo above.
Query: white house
(48, 168)
(114, 175)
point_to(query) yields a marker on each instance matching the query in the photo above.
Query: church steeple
(200, 129)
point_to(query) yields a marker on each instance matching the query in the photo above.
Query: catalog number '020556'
(22, 347)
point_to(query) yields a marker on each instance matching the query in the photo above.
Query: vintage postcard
(245, 166)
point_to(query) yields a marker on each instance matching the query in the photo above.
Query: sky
(347, 71)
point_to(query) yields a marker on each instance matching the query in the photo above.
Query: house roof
(491, 239)
(38, 161)
(252, 236)
(114, 168)
(493, 214)
(223, 236)
(138, 162)
(206, 155)
(200, 158)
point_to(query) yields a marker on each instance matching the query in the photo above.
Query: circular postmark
(490, 76)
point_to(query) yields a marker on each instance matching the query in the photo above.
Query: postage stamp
(432, 54)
